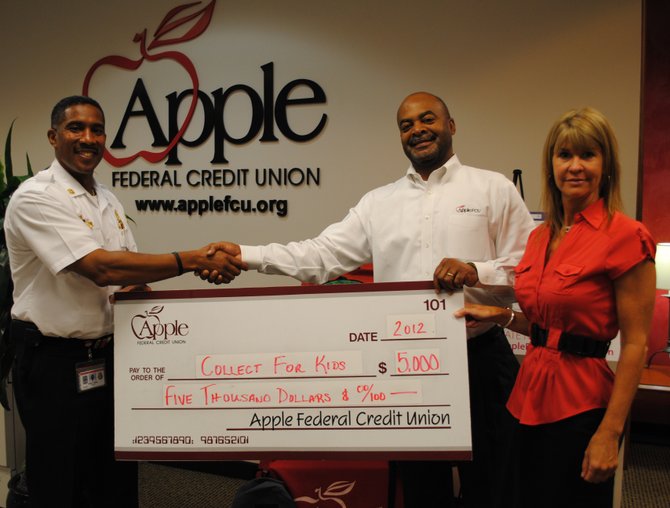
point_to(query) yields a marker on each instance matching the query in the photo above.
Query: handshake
(218, 262)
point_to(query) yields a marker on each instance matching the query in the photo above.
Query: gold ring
(450, 274)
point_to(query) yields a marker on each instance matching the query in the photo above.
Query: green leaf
(2, 178)
(29, 166)
(8, 153)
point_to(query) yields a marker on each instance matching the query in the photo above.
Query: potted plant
(8, 184)
(18, 494)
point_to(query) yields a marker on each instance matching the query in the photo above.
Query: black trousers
(69, 435)
(426, 483)
(491, 479)
(552, 455)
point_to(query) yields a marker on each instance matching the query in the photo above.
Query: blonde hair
(581, 129)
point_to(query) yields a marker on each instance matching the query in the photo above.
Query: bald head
(424, 96)
(426, 128)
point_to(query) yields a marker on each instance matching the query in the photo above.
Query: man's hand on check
(452, 274)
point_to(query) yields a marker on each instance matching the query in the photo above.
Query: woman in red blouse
(587, 273)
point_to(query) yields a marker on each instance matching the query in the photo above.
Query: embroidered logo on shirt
(465, 209)
(70, 191)
(88, 222)
(119, 222)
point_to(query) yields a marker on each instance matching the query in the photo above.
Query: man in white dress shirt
(472, 225)
(70, 248)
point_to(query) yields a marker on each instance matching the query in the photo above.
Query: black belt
(572, 343)
(29, 332)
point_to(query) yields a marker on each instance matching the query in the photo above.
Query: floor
(646, 481)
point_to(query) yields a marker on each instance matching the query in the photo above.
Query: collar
(444, 172)
(594, 214)
(71, 184)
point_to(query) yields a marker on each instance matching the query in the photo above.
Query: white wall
(506, 69)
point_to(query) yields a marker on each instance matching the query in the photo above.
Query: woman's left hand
(601, 457)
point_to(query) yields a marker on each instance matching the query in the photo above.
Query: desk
(652, 402)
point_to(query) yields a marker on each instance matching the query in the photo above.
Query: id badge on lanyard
(90, 374)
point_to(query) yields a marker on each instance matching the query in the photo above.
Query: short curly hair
(58, 111)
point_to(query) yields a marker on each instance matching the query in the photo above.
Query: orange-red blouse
(573, 292)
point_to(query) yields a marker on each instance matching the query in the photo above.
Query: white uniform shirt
(407, 227)
(51, 222)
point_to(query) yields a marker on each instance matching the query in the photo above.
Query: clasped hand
(226, 263)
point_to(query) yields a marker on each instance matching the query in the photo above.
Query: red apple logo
(334, 491)
(144, 325)
(170, 23)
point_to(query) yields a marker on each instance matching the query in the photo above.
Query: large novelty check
(373, 370)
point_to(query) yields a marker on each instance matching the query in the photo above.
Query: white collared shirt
(407, 227)
(51, 222)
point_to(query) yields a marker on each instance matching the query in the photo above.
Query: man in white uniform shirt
(70, 248)
(469, 223)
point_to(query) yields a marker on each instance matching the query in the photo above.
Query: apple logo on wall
(174, 19)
